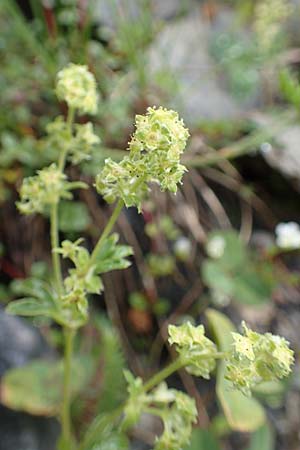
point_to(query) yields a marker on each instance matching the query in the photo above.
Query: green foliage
(232, 272)
(290, 88)
(238, 58)
(161, 265)
(84, 278)
(272, 393)
(73, 216)
(40, 300)
(113, 390)
(36, 388)
(262, 439)
(138, 301)
(164, 225)
(203, 440)
(242, 413)
(102, 434)
(112, 256)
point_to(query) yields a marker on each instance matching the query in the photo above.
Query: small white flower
(266, 148)
(215, 247)
(288, 235)
(183, 248)
(219, 298)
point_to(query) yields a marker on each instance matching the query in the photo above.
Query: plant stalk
(63, 155)
(65, 413)
(107, 230)
(175, 365)
(68, 332)
(55, 244)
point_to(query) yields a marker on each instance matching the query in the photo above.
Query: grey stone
(182, 49)
(284, 155)
(105, 10)
(20, 431)
(20, 343)
(167, 9)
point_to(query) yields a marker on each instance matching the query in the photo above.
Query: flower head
(77, 86)
(44, 189)
(159, 129)
(269, 16)
(154, 156)
(83, 142)
(177, 411)
(194, 347)
(178, 419)
(256, 358)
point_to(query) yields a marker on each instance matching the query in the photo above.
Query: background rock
(182, 49)
(20, 343)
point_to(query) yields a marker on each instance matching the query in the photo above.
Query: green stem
(68, 332)
(65, 413)
(107, 230)
(175, 365)
(55, 244)
(241, 147)
(63, 155)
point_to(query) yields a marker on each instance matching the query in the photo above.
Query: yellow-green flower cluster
(269, 16)
(256, 358)
(79, 146)
(45, 189)
(195, 349)
(82, 279)
(77, 87)
(83, 142)
(177, 411)
(154, 156)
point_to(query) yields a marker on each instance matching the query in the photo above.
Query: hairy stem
(175, 365)
(64, 153)
(164, 373)
(68, 332)
(65, 413)
(55, 244)
(107, 229)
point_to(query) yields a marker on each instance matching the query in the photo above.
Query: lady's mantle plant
(154, 157)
